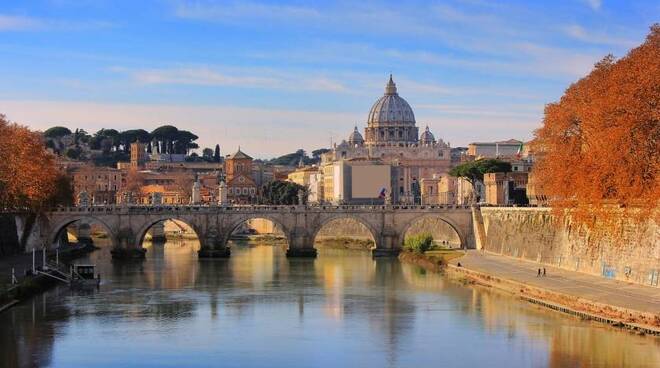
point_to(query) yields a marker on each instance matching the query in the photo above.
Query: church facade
(392, 137)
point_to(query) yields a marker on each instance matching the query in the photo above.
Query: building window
(245, 191)
(252, 191)
(231, 190)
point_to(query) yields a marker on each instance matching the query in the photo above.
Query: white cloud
(532, 112)
(236, 77)
(579, 33)
(594, 4)
(542, 60)
(24, 23)
(19, 23)
(241, 10)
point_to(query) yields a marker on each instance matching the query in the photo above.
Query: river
(260, 309)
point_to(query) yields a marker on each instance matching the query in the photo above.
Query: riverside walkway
(586, 287)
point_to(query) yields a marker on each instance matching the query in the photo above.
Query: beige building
(102, 184)
(357, 181)
(506, 188)
(327, 172)
(301, 175)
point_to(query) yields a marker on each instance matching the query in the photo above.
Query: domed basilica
(392, 137)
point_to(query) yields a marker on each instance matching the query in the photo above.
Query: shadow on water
(259, 308)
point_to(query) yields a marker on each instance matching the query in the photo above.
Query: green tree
(134, 135)
(62, 194)
(473, 171)
(418, 243)
(316, 154)
(184, 142)
(73, 153)
(57, 132)
(207, 154)
(216, 154)
(283, 192)
(164, 135)
(291, 159)
(105, 139)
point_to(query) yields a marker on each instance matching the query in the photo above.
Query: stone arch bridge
(127, 225)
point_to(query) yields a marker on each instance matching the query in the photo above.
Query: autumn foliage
(598, 147)
(28, 177)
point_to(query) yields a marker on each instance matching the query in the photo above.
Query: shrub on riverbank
(419, 243)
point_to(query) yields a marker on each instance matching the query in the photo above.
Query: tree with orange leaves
(27, 171)
(598, 148)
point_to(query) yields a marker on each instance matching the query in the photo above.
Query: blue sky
(276, 76)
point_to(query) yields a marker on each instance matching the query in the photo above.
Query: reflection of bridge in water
(127, 225)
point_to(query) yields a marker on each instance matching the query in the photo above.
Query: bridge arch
(325, 220)
(142, 231)
(63, 224)
(237, 222)
(447, 220)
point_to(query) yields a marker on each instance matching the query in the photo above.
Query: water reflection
(259, 308)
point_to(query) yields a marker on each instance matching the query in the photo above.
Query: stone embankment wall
(535, 234)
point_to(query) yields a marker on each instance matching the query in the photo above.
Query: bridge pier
(301, 245)
(84, 233)
(126, 248)
(387, 245)
(302, 252)
(207, 252)
(214, 246)
(126, 254)
(158, 233)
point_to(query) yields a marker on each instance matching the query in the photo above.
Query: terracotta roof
(239, 155)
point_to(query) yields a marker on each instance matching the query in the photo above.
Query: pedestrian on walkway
(543, 271)
(539, 273)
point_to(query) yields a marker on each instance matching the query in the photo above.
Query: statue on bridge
(83, 199)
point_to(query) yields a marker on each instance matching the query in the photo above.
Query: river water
(260, 309)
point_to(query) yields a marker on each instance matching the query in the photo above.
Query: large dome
(391, 109)
(391, 120)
